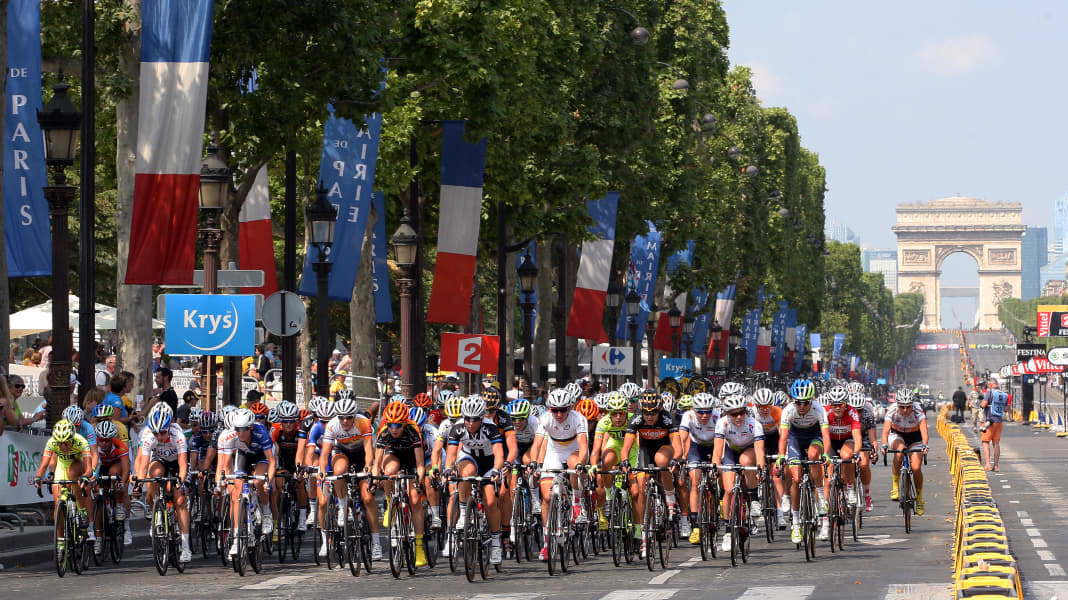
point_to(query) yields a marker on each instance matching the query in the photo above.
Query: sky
(914, 101)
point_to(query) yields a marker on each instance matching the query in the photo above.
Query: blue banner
(778, 336)
(751, 334)
(814, 341)
(839, 341)
(27, 230)
(799, 346)
(641, 275)
(383, 305)
(675, 367)
(210, 324)
(699, 297)
(347, 171)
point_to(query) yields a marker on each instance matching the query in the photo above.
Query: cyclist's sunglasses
(242, 429)
(472, 419)
(395, 425)
(703, 412)
(559, 411)
(288, 421)
(649, 413)
(802, 402)
(737, 413)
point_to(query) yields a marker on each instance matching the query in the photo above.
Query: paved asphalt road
(886, 564)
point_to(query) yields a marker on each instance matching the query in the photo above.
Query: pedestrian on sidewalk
(960, 400)
(993, 405)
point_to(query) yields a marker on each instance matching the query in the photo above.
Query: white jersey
(904, 420)
(702, 435)
(527, 435)
(349, 439)
(442, 434)
(165, 451)
(563, 433)
(816, 416)
(739, 436)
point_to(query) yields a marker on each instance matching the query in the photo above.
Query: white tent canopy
(37, 319)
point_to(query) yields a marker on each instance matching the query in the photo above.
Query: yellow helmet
(63, 431)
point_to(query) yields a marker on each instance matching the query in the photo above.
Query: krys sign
(212, 324)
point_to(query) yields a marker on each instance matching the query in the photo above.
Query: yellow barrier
(982, 564)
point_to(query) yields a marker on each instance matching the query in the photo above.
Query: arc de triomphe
(989, 232)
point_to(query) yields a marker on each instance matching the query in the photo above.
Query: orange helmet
(259, 409)
(588, 408)
(422, 400)
(396, 412)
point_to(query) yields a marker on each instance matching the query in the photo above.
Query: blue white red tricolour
(595, 269)
(255, 238)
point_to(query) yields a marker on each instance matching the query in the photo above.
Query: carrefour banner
(641, 275)
(383, 306)
(21, 455)
(27, 232)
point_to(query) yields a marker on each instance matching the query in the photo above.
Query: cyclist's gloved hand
(883, 447)
(507, 466)
(534, 466)
(591, 469)
(826, 458)
(492, 473)
(674, 464)
(625, 464)
(781, 460)
(37, 482)
(448, 472)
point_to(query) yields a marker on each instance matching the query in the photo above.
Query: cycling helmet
(422, 400)
(538, 410)
(734, 402)
(106, 430)
(823, 400)
(454, 407)
(103, 411)
(326, 411)
(630, 390)
(474, 407)
(348, 408)
(163, 407)
(837, 395)
(855, 387)
(63, 431)
(194, 414)
(272, 415)
(904, 397)
(242, 418)
(731, 388)
(159, 421)
(601, 400)
(208, 421)
(344, 394)
(398, 398)
(417, 415)
(259, 409)
(588, 408)
(492, 396)
(559, 398)
(704, 401)
(857, 400)
(73, 414)
(763, 397)
(685, 402)
(395, 412)
(574, 390)
(617, 402)
(649, 402)
(519, 409)
(225, 412)
(444, 395)
(668, 404)
(287, 411)
(781, 399)
(802, 389)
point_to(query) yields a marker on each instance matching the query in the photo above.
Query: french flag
(595, 268)
(763, 355)
(255, 238)
(462, 169)
(175, 46)
(665, 336)
(724, 314)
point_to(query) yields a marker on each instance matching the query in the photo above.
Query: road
(886, 564)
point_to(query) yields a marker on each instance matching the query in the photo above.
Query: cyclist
(803, 430)
(76, 417)
(697, 435)
(564, 445)
(399, 449)
(475, 448)
(106, 412)
(769, 416)
(347, 445)
(739, 440)
(607, 443)
(163, 454)
(503, 421)
(436, 414)
(905, 426)
(657, 438)
(844, 427)
(68, 455)
(261, 411)
(452, 408)
(323, 411)
(246, 448)
(588, 408)
(115, 460)
(286, 436)
(862, 404)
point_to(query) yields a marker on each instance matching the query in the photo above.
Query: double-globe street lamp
(322, 217)
(404, 241)
(215, 181)
(633, 300)
(528, 280)
(61, 124)
(675, 323)
(687, 334)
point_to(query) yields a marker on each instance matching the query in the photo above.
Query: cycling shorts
(799, 440)
(732, 456)
(483, 464)
(556, 455)
(356, 456)
(912, 439)
(700, 453)
(245, 462)
(836, 446)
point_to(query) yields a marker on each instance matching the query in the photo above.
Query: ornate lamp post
(675, 323)
(528, 281)
(633, 309)
(322, 216)
(404, 250)
(61, 124)
(687, 334)
(716, 330)
(215, 181)
(613, 300)
(650, 336)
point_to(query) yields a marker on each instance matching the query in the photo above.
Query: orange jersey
(118, 451)
(770, 422)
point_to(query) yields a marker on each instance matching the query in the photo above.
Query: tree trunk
(508, 342)
(362, 318)
(5, 294)
(571, 343)
(305, 347)
(543, 321)
(134, 302)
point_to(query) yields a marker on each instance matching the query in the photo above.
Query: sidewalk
(33, 545)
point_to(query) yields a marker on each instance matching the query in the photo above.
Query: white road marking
(1046, 590)
(657, 594)
(691, 562)
(1045, 555)
(1007, 487)
(1033, 532)
(1027, 522)
(918, 591)
(1014, 501)
(1022, 514)
(515, 596)
(275, 582)
(1054, 569)
(1039, 543)
(786, 592)
(663, 577)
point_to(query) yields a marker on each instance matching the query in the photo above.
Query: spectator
(960, 400)
(167, 393)
(993, 405)
(253, 396)
(247, 363)
(189, 400)
(113, 398)
(17, 386)
(35, 360)
(345, 364)
(335, 359)
(15, 351)
(46, 353)
(515, 393)
(105, 375)
(27, 357)
(94, 398)
(8, 414)
(128, 399)
(263, 364)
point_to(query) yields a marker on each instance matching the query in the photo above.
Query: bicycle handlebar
(360, 475)
(235, 476)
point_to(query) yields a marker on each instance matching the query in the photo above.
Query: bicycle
(72, 556)
(620, 518)
(352, 544)
(907, 486)
(476, 535)
(400, 526)
(559, 520)
(222, 523)
(768, 505)
(656, 519)
(740, 521)
(166, 540)
(110, 528)
(585, 534)
(809, 516)
(526, 528)
(289, 533)
(837, 506)
(202, 522)
(248, 526)
(708, 493)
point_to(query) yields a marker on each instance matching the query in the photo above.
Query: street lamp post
(687, 334)
(215, 181)
(650, 336)
(528, 280)
(613, 300)
(404, 252)
(323, 217)
(675, 323)
(716, 330)
(633, 309)
(61, 123)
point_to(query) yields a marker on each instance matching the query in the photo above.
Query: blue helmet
(159, 420)
(418, 415)
(802, 389)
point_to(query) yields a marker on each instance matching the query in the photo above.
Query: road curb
(982, 564)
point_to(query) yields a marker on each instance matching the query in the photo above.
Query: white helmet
(574, 390)
(731, 388)
(473, 407)
(225, 412)
(855, 387)
(704, 401)
(630, 390)
(822, 400)
(781, 398)
(857, 400)
(163, 407)
(904, 397)
(325, 411)
(287, 410)
(601, 400)
(346, 407)
(838, 395)
(242, 417)
(733, 402)
(559, 398)
(313, 404)
(763, 397)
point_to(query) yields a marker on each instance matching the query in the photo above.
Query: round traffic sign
(295, 313)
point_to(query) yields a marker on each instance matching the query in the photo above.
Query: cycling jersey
(429, 433)
(409, 439)
(657, 434)
(199, 445)
(791, 418)
(163, 451)
(442, 434)
(615, 434)
(258, 443)
(315, 434)
(525, 437)
(79, 450)
(349, 439)
(118, 451)
(843, 428)
(287, 442)
(699, 434)
(770, 423)
(904, 420)
(739, 437)
(503, 423)
(87, 431)
(562, 433)
(867, 418)
(478, 444)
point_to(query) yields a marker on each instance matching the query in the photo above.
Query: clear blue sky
(914, 101)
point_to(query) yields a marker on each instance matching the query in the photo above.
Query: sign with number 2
(469, 353)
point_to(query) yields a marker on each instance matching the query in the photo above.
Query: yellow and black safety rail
(983, 567)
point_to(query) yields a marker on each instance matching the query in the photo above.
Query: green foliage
(1015, 314)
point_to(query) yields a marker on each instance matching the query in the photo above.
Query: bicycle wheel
(224, 530)
(176, 551)
(240, 559)
(813, 523)
(284, 525)
(77, 542)
(628, 526)
(353, 547)
(430, 543)
(767, 508)
(734, 526)
(616, 531)
(101, 532)
(649, 527)
(832, 515)
(806, 518)
(710, 524)
(471, 541)
(62, 548)
(207, 524)
(750, 520)
(483, 546)
(396, 539)
(452, 539)
(663, 537)
(858, 513)
(160, 536)
(563, 519)
(316, 532)
(906, 500)
(552, 526)
(518, 523)
(258, 544)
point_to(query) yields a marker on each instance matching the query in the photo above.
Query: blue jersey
(315, 434)
(115, 401)
(86, 431)
(199, 445)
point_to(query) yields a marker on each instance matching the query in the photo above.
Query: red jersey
(119, 450)
(435, 417)
(842, 428)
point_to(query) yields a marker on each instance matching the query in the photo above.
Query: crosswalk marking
(663, 577)
(791, 592)
(657, 594)
(275, 582)
(1046, 590)
(1054, 569)
(918, 591)
(514, 596)
(1045, 555)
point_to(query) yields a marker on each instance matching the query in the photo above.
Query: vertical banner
(799, 346)
(383, 305)
(27, 232)
(255, 238)
(175, 47)
(641, 276)
(699, 295)
(778, 336)
(663, 339)
(463, 167)
(763, 353)
(595, 269)
(839, 341)
(530, 250)
(347, 171)
(751, 335)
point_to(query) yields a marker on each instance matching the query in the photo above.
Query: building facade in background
(840, 233)
(881, 261)
(1060, 225)
(1034, 255)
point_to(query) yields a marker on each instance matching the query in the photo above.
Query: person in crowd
(166, 392)
(960, 400)
(994, 403)
(27, 357)
(9, 417)
(109, 370)
(189, 401)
